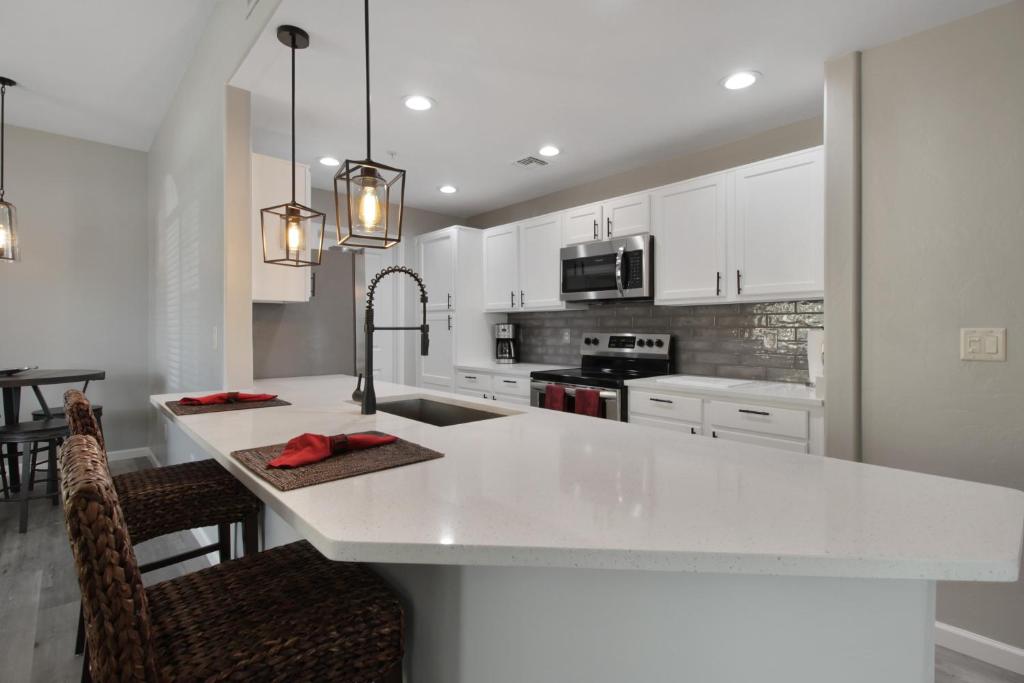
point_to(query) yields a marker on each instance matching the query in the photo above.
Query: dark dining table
(12, 385)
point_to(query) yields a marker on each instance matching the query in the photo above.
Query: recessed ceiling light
(740, 80)
(419, 102)
(548, 151)
(448, 189)
(329, 161)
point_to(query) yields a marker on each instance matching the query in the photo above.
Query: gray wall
(943, 239)
(722, 341)
(78, 297)
(318, 337)
(783, 140)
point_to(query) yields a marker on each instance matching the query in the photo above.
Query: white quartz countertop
(773, 393)
(541, 488)
(516, 369)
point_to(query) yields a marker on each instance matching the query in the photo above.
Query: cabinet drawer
(691, 428)
(666, 406)
(760, 419)
(758, 440)
(467, 379)
(511, 385)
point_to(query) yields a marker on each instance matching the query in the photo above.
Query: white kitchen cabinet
(540, 264)
(437, 368)
(689, 226)
(691, 428)
(501, 268)
(777, 232)
(272, 185)
(582, 224)
(436, 265)
(759, 440)
(629, 215)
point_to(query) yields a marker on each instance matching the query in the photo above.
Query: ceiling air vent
(529, 162)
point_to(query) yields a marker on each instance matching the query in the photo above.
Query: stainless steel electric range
(609, 359)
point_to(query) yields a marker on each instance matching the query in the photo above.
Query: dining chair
(282, 614)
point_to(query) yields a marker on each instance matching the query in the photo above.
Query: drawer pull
(660, 400)
(693, 430)
(714, 434)
(510, 381)
(755, 412)
(469, 376)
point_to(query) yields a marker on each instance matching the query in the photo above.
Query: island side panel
(508, 625)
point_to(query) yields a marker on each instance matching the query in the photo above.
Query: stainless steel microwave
(618, 268)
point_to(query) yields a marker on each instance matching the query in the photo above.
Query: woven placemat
(178, 409)
(343, 466)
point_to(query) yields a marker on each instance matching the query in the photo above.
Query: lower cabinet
(508, 388)
(791, 429)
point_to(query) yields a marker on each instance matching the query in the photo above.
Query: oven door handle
(571, 390)
(618, 270)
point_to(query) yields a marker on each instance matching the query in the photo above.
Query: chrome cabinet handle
(609, 226)
(718, 283)
(618, 270)
(754, 412)
(595, 228)
(739, 287)
(659, 400)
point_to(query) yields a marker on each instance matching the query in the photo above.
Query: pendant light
(373, 193)
(293, 234)
(9, 250)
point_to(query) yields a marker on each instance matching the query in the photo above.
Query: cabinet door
(582, 224)
(271, 185)
(540, 281)
(778, 232)
(758, 440)
(437, 368)
(690, 220)
(437, 268)
(629, 215)
(501, 263)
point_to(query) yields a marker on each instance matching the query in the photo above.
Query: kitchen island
(554, 547)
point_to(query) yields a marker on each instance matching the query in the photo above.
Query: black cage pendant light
(9, 250)
(372, 193)
(293, 234)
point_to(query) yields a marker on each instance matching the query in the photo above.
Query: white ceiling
(103, 70)
(614, 83)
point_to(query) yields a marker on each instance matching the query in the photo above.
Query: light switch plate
(983, 343)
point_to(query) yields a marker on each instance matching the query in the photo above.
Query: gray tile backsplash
(746, 341)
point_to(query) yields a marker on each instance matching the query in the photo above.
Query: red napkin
(588, 402)
(225, 397)
(310, 448)
(554, 397)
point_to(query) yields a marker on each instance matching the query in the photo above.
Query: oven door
(615, 269)
(611, 399)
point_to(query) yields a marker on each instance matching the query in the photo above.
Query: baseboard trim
(132, 454)
(968, 643)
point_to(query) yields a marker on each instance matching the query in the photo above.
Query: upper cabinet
(271, 185)
(521, 265)
(690, 222)
(778, 232)
(754, 233)
(436, 265)
(619, 217)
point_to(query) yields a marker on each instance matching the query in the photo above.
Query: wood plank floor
(39, 599)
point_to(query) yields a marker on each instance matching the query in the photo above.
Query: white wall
(78, 296)
(943, 243)
(187, 212)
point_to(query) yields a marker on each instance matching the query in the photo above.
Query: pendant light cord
(366, 44)
(293, 118)
(3, 133)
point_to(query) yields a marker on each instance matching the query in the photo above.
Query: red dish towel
(588, 402)
(225, 397)
(310, 448)
(554, 397)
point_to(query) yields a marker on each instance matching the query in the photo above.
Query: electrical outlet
(983, 343)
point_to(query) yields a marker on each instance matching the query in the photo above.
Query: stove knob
(586, 340)
(650, 343)
(659, 343)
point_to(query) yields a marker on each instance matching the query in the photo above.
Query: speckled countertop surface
(540, 488)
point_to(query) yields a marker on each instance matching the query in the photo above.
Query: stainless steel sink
(437, 413)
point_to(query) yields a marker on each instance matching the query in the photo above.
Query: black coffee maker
(506, 343)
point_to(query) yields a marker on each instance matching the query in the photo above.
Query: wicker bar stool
(165, 500)
(283, 614)
(28, 435)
